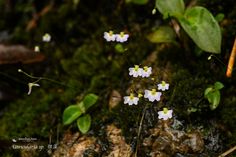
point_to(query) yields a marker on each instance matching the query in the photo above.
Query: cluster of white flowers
(110, 36)
(151, 95)
(143, 72)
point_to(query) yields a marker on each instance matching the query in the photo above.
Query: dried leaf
(19, 54)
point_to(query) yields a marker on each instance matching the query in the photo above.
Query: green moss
(29, 117)
(227, 114)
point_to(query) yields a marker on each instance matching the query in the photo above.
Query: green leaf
(202, 27)
(162, 34)
(70, 114)
(214, 99)
(89, 100)
(207, 91)
(119, 48)
(219, 17)
(170, 7)
(82, 107)
(84, 123)
(218, 85)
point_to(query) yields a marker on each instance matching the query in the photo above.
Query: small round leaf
(70, 114)
(89, 100)
(84, 123)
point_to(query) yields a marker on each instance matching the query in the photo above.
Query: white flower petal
(131, 100)
(109, 36)
(165, 116)
(146, 93)
(46, 37)
(122, 37)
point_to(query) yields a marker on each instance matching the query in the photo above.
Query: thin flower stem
(12, 78)
(43, 78)
(218, 60)
(140, 128)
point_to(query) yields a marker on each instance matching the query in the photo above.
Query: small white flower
(146, 71)
(136, 71)
(36, 49)
(46, 37)
(163, 86)
(154, 11)
(122, 37)
(152, 95)
(165, 114)
(109, 36)
(131, 100)
(30, 85)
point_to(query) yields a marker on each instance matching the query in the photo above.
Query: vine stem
(139, 129)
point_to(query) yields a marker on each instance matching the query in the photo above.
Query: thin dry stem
(231, 60)
(228, 152)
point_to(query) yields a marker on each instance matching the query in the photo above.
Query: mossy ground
(80, 59)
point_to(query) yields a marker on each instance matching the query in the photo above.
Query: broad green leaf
(202, 27)
(162, 34)
(207, 91)
(214, 99)
(89, 100)
(82, 107)
(170, 7)
(70, 114)
(218, 85)
(84, 123)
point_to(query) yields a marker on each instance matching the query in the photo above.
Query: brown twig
(228, 152)
(33, 22)
(231, 60)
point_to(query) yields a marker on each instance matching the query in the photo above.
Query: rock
(19, 54)
(119, 147)
(168, 141)
(115, 99)
(74, 145)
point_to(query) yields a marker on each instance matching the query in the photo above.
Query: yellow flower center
(165, 110)
(122, 34)
(153, 92)
(145, 68)
(110, 33)
(131, 96)
(136, 67)
(140, 95)
(163, 83)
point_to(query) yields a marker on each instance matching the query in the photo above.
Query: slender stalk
(231, 60)
(228, 152)
(43, 78)
(140, 128)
